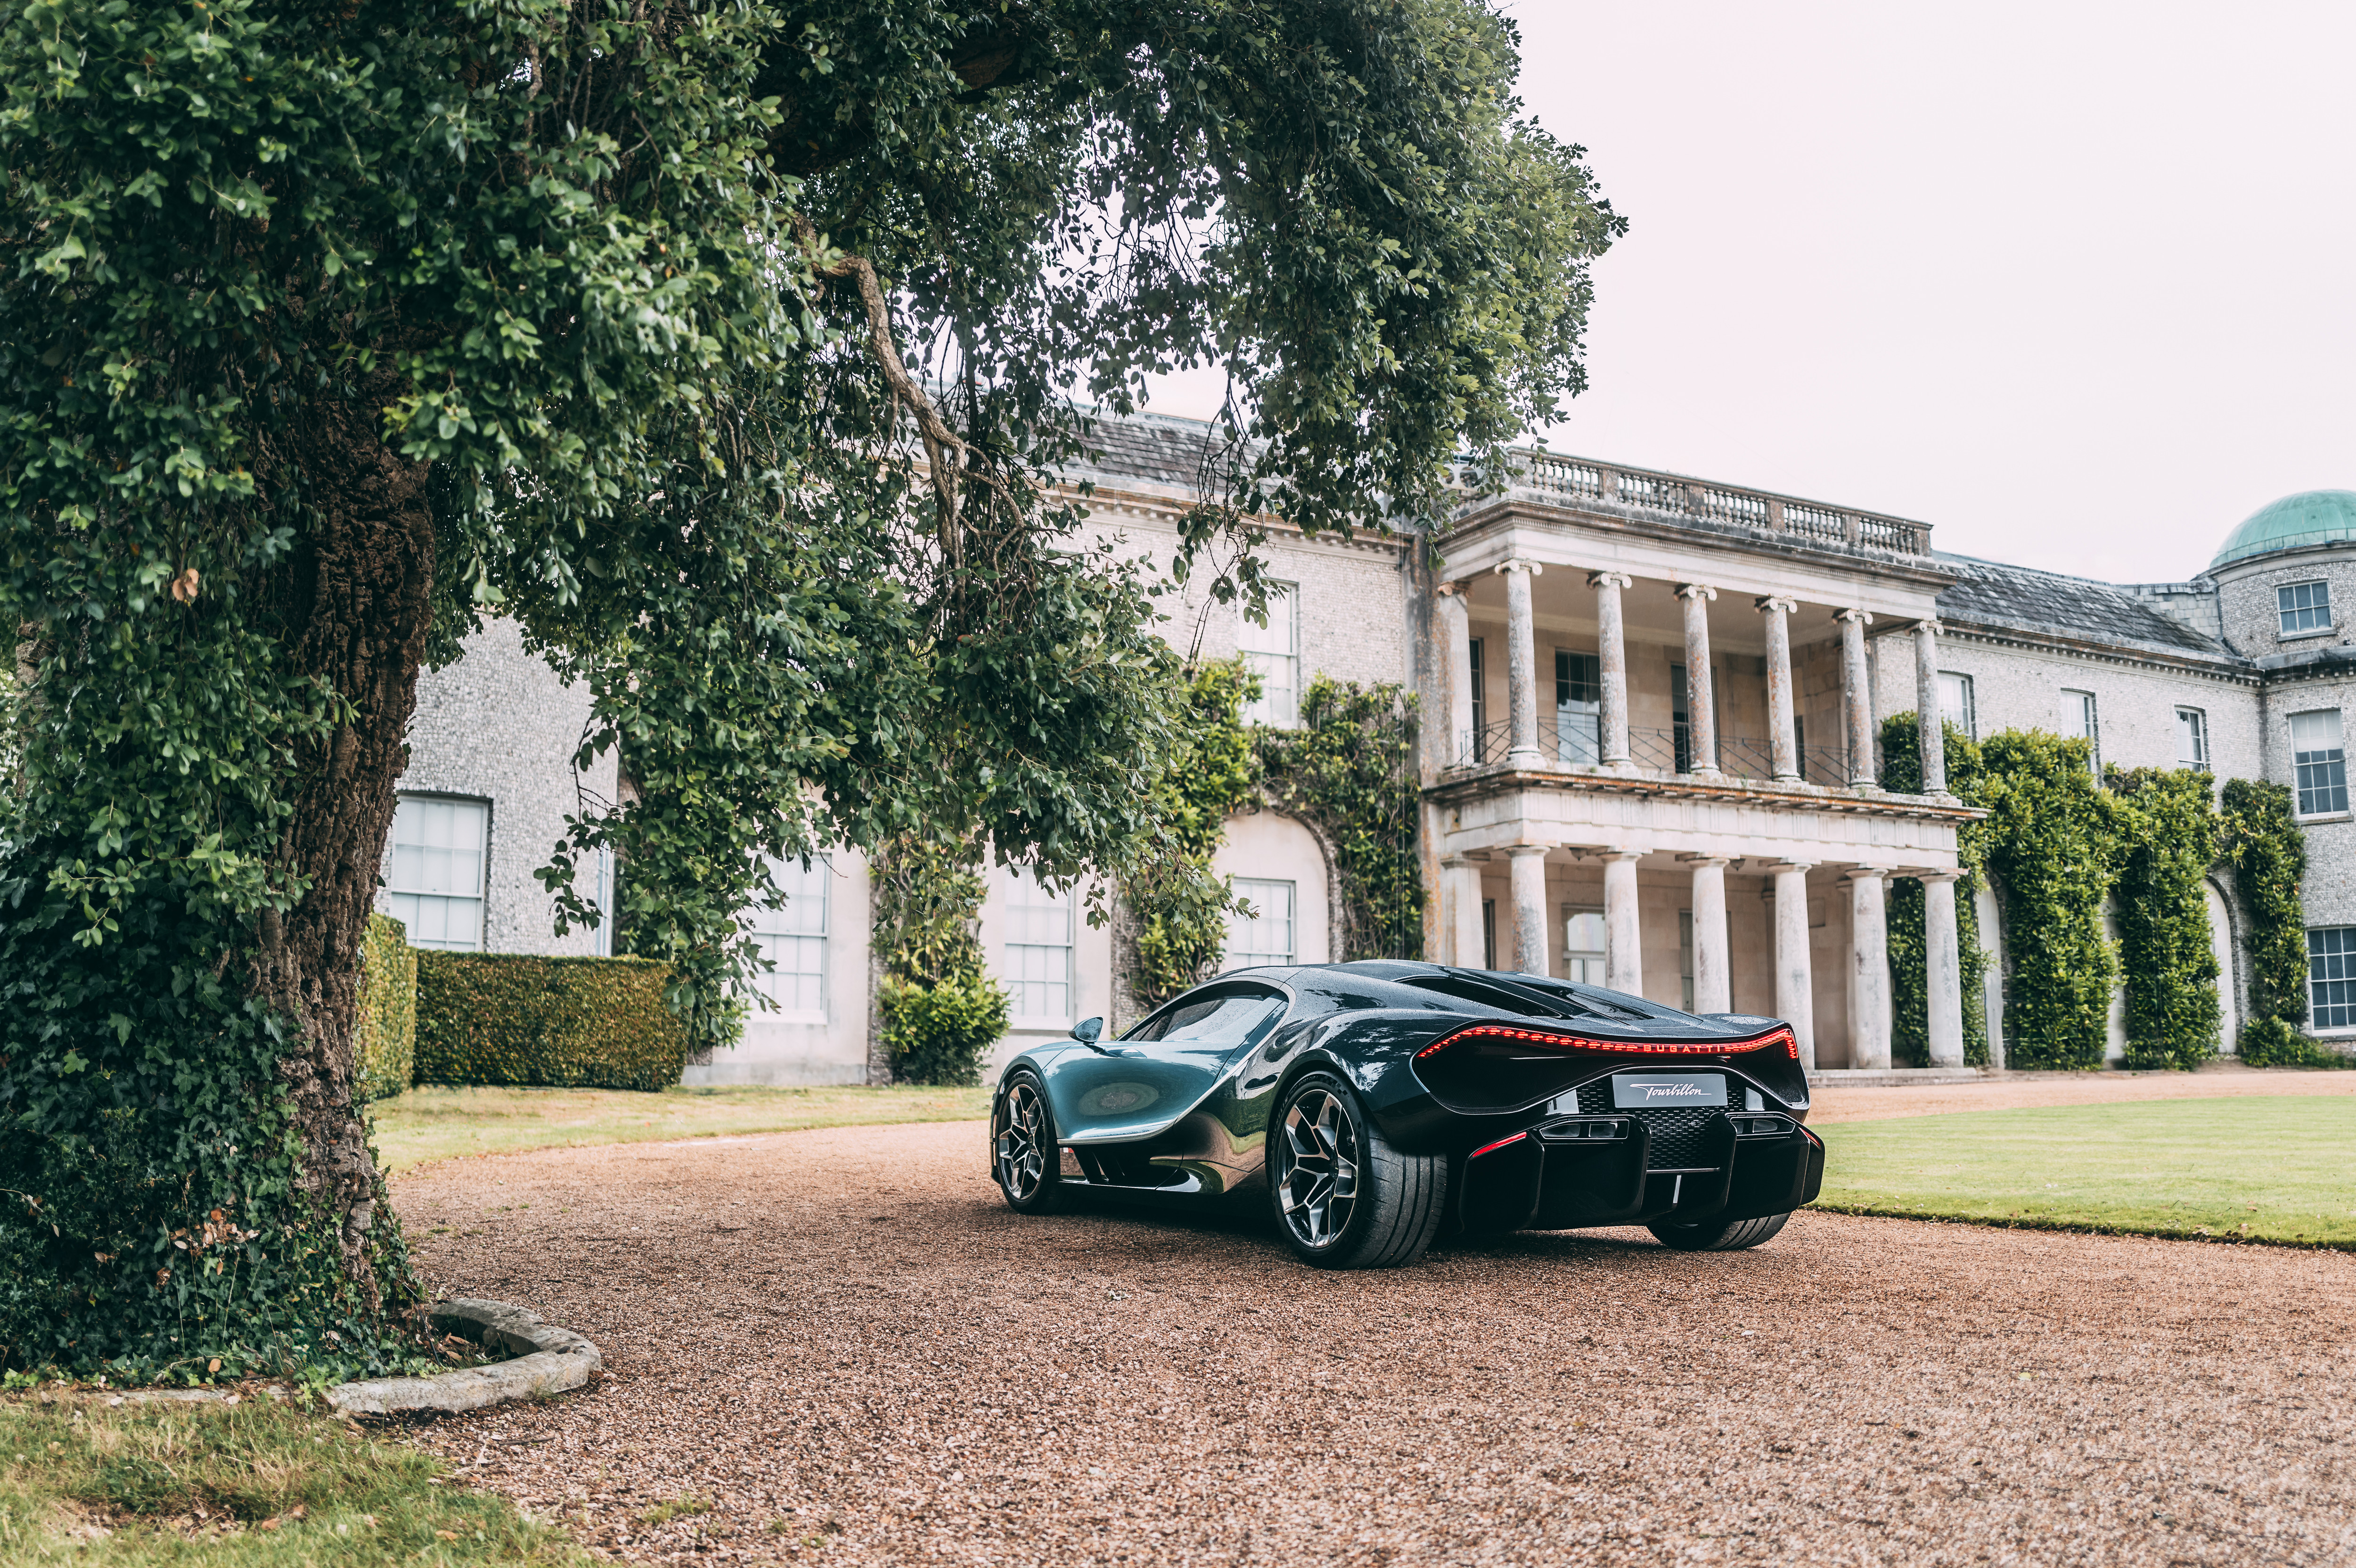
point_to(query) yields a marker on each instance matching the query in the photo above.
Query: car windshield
(1227, 1018)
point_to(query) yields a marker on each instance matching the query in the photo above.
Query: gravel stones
(839, 1346)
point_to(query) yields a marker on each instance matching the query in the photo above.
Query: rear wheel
(1344, 1197)
(1714, 1236)
(1023, 1154)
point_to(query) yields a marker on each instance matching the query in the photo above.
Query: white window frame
(794, 941)
(2090, 724)
(2192, 724)
(2318, 604)
(1273, 653)
(1968, 721)
(2334, 969)
(1255, 942)
(1039, 953)
(2328, 796)
(1582, 966)
(414, 895)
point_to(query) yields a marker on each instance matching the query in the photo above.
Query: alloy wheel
(1318, 1184)
(1021, 1143)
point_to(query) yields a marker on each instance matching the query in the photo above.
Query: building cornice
(1916, 571)
(1458, 785)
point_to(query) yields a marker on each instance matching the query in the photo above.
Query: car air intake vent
(1495, 997)
(1681, 1134)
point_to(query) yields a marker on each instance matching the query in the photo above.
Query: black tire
(1025, 1158)
(1716, 1236)
(1343, 1196)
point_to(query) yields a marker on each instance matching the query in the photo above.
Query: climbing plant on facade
(938, 1008)
(1910, 1029)
(2261, 839)
(1177, 906)
(2051, 842)
(2169, 834)
(1350, 770)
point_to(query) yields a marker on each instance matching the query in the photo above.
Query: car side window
(1229, 1017)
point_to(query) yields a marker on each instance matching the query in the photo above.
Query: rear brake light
(1779, 1036)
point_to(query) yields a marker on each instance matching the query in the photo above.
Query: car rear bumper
(1636, 1168)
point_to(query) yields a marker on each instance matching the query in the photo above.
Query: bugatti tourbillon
(1374, 1106)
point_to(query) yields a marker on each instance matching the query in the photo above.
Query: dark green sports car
(1375, 1106)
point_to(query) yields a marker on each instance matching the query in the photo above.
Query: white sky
(2075, 283)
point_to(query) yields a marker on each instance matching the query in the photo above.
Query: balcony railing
(1671, 494)
(1575, 744)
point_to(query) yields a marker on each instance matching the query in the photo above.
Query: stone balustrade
(1578, 480)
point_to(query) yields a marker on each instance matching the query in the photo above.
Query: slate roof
(2078, 608)
(1158, 449)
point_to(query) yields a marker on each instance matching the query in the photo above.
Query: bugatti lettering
(1373, 1106)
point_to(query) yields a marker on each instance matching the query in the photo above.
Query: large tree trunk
(354, 602)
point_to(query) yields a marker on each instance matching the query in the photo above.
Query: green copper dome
(2312, 517)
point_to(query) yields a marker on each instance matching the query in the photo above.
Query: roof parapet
(1578, 481)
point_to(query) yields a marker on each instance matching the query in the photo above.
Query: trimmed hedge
(941, 1033)
(384, 1033)
(567, 1023)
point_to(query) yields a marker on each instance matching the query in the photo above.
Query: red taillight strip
(1501, 1143)
(1780, 1035)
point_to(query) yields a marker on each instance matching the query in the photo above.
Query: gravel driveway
(846, 1346)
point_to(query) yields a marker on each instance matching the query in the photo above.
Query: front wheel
(1344, 1197)
(1712, 1236)
(1024, 1157)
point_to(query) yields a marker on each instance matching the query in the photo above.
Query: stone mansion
(1650, 705)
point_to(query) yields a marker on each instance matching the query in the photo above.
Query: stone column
(1612, 653)
(1857, 698)
(1944, 968)
(1796, 984)
(1701, 712)
(1529, 907)
(1713, 986)
(1623, 937)
(1927, 707)
(1782, 731)
(1522, 663)
(1868, 978)
(1452, 625)
(1459, 883)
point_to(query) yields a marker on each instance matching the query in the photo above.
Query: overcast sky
(2074, 282)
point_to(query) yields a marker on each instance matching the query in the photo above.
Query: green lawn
(253, 1486)
(433, 1123)
(2264, 1169)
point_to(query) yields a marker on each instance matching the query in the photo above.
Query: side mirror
(1087, 1030)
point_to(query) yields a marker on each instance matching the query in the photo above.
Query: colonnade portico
(1630, 793)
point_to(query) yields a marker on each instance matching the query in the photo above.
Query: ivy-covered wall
(1350, 771)
(938, 1008)
(2168, 837)
(1910, 991)
(2264, 845)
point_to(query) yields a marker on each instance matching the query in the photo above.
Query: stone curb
(548, 1359)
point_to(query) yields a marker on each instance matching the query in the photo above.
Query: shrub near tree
(730, 351)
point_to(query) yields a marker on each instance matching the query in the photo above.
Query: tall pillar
(1796, 984)
(1944, 966)
(1612, 653)
(1452, 625)
(1783, 730)
(1460, 887)
(1701, 712)
(1927, 718)
(1857, 698)
(1530, 918)
(1868, 978)
(1624, 937)
(1713, 985)
(1522, 663)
